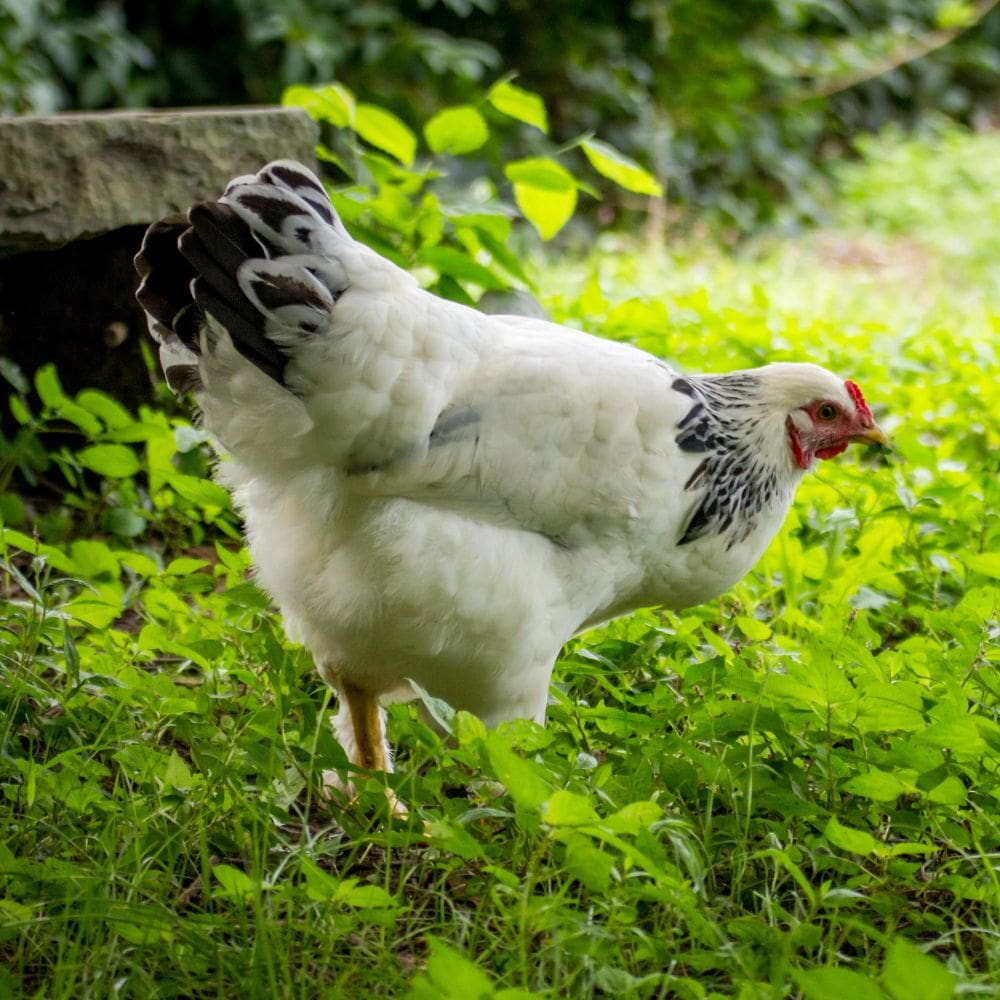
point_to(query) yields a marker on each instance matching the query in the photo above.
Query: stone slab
(74, 176)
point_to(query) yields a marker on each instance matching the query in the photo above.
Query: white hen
(435, 494)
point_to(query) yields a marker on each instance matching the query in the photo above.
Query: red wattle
(801, 460)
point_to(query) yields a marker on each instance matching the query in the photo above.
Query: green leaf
(184, 565)
(634, 817)
(333, 103)
(850, 840)
(124, 523)
(448, 260)
(235, 884)
(516, 102)
(454, 975)
(101, 405)
(383, 130)
(93, 558)
(176, 774)
(19, 410)
(201, 491)
(831, 983)
(545, 191)
(12, 373)
(955, 14)
(50, 390)
(617, 167)
(569, 809)
(524, 780)
(113, 461)
(752, 628)
(541, 172)
(142, 564)
(438, 709)
(987, 563)
(548, 211)
(456, 130)
(588, 864)
(71, 653)
(370, 897)
(82, 418)
(908, 972)
(453, 837)
(879, 786)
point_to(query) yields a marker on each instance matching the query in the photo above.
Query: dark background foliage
(735, 105)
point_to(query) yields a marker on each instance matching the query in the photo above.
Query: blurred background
(738, 108)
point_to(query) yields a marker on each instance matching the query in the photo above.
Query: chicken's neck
(747, 475)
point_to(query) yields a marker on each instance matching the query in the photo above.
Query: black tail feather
(166, 279)
(191, 266)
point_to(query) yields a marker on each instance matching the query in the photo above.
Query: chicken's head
(824, 427)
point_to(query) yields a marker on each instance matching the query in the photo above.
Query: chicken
(436, 495)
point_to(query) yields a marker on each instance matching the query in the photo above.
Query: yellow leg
(369, 741)
(361, 732)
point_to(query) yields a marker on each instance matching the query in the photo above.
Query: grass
(791, 791)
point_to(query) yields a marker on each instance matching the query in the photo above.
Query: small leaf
(333, 103)
(453, 837)
(203, 492)
(234, 883)
(184, 565)
(13, 374)
(634, 817)
(124, 523)
(831, 983)
(547, 210)
(516, 102)
(752, 628)
(176, 774)
(82, 418)
(909, 972)
(438, 709)
(879, 786)
(850, 840)
(370, 897)
(987, 563)
(617, 167)
(50, 390)
(448, 260)
(383, 130)
(102, 405)
(545, 192)
(113, 461)
(588, 864)
(456, 130)
(19, 410)
(72, 654)
(569, 809)
(454, 975)
(524, 780)
(541, 172)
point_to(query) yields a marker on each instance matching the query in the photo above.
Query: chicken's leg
(360, 729)
(368, 728)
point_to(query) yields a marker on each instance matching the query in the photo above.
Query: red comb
(859, 400)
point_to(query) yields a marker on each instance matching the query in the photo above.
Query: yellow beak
(873, 435)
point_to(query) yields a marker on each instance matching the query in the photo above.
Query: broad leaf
(617, 167)
(456, 130)
(516, 102)
(382, 129)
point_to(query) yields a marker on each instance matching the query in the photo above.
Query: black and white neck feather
(743, 477)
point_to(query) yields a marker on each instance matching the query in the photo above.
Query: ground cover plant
(791, 791)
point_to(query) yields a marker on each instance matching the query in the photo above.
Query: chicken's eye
(826, 412)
